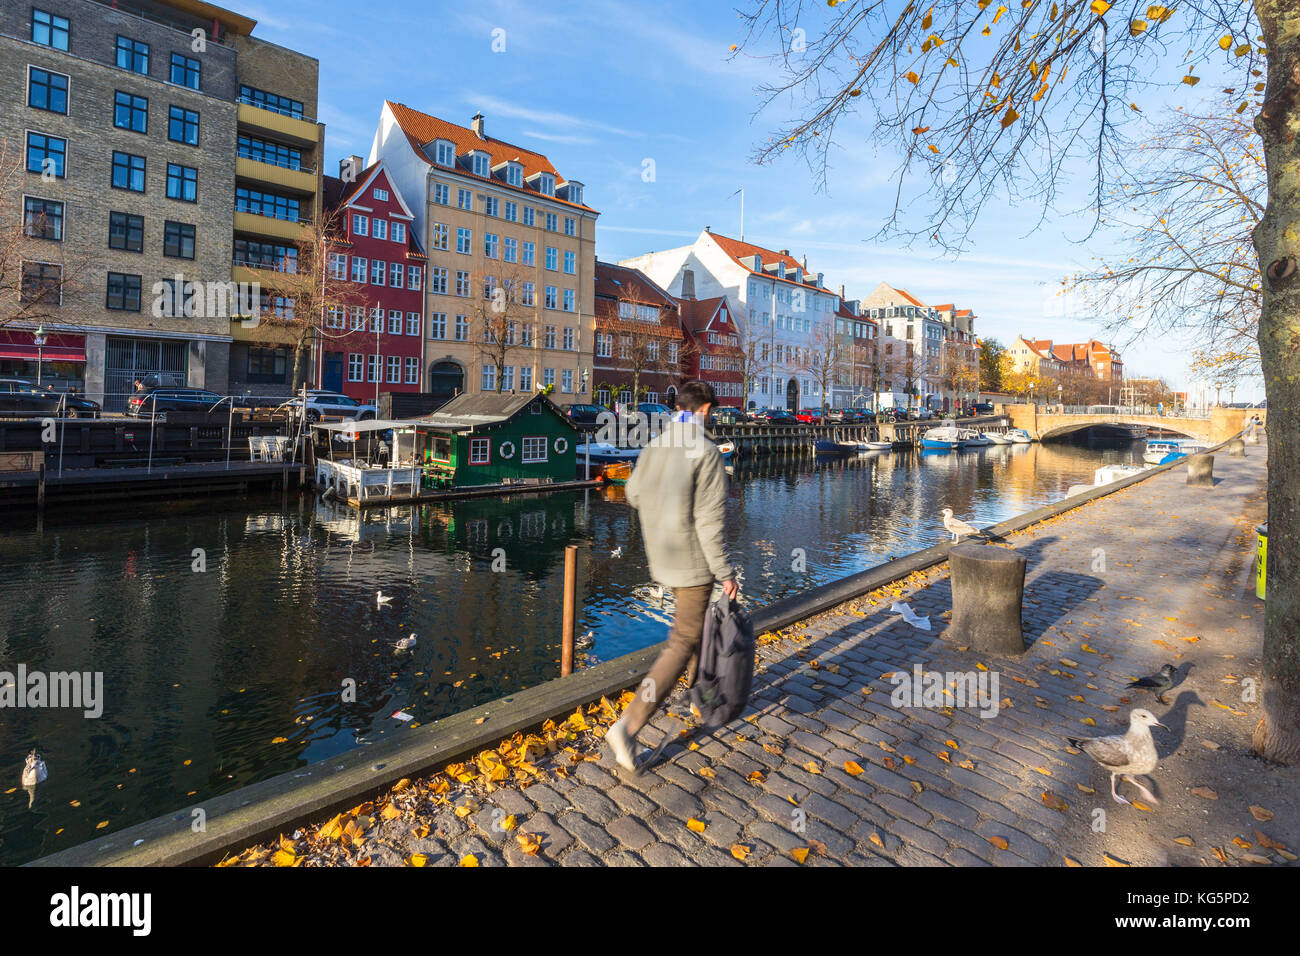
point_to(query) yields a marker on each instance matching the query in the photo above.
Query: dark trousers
(681, 656)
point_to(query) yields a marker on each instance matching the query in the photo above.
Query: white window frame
(537, 442)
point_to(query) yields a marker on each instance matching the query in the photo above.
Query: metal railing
(1117, 411)
(282, 164)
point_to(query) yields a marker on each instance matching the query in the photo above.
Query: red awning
(59, 347)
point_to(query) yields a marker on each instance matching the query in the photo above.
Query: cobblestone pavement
(825, 763)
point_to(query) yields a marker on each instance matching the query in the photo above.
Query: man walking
(679, 488)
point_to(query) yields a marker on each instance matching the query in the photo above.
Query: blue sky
(601, 87)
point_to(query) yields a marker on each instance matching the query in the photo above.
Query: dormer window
(546, 184)
(573, 192)
(514, 174)
(479, 164)
(445, 153)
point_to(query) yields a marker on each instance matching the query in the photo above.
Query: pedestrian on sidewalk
(679, 489)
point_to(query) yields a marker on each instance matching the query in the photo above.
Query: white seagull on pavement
(1127, 754)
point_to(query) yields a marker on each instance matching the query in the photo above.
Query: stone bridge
(1218, 426)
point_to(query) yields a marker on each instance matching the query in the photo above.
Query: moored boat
(1019, 436)
(1166, 450)
(943, 437)
(997, 438)
(973, 439)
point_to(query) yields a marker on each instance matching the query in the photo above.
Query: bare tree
(823, 360)
(503, 321)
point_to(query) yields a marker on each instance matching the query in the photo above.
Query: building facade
(918, 363)
(125, 122)
(639, 342)
(714, 352)
(374, 342)
(510, 296)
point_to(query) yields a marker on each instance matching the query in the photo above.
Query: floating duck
(34, 770)
(381, 599)
(586, 641)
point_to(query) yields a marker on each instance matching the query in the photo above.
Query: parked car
(151, 401)
(845, 416)
(775, 416)
(982, 408)
(586, 417)
(809, 416)
(728, 415)
(19, 396)
(322, 404)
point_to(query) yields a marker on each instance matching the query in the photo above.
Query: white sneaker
(621, 744)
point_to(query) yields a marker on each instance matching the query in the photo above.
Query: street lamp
(39, 341)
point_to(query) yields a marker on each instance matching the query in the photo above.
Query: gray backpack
(726, 668)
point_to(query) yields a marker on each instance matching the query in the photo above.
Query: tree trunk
(1277, 242)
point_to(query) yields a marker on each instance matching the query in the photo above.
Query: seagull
(1157, 683)
(406, 643)
(586, 641)
(34, 770)
(958, 527)
(617, 552)
(381, 600)
(1127, 754)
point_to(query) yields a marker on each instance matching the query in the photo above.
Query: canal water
(227, 630)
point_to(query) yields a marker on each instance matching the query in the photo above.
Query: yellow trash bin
(1261, 560)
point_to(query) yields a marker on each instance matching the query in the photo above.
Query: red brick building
(714, 354)
(375, 346)
(639, 342)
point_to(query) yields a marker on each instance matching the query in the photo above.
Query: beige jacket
(679, 489)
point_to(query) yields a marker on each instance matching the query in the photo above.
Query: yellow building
(505, 235)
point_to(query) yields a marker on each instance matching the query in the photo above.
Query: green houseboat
(491, 438)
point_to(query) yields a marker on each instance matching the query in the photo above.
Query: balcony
(288, 230)
(300, 131)
(272, 174)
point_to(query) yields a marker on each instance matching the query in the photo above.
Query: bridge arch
(1053, 426)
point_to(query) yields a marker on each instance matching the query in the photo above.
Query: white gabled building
(785, 313)
(906, 318)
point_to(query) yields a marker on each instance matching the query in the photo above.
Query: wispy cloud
(500, 107)
(559, 137)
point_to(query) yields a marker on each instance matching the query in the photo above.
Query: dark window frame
(188, 66)
(53, 28)
(32, 86)
(136, 110)
(180, 176)
(144, 171)
(61, 166)
(184, 120)
(133, 52)
(130, 224)
(29, 218)
(124, 294)
(175, 236)
(55, 269)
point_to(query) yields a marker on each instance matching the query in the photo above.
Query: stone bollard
(988, 587)
(1200, 471)
(1236, 448)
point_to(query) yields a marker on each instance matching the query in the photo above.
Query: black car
(151, 401)
(775, 416)
(19, 396)
(728, 415)
(586, 417)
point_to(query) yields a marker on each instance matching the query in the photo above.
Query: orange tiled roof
(421, 129)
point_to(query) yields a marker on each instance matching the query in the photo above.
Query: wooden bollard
(988, 589)
(570, 609)
(1236, 448)
(1200, 471)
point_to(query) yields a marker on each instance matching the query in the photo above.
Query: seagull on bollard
(957, 527)
(1157, 683)
(1126, 755)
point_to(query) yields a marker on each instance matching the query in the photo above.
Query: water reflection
(220, 677)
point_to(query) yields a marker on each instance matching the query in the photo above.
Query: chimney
(688, 283)
(805, 262)
(476, 124)
(841, 290)
(350, 168)
(708, 229)
(785, 252)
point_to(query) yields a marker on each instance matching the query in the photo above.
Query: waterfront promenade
(825, 770)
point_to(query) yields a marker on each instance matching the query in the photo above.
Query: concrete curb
(260, 811)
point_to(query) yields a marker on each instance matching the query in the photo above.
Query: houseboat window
(440, 448)
(479, 451)
(534, 450)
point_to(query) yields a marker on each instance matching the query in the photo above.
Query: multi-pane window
(376, 319)
(46, 153)
(525, 378)
(534, 450)
(566, 381)
(396, 274)
(570, 300)
(378, 270)
(413, 276)
(130, 112)
(491, 205)
(182, 182)
(413, 323)
(338, 263)
(463, 239)
(372, 368)
(132, 55)
(552, 300)
(286, 157)
(394, 321)
(530, 254)
(41, 282)
(399, 232)
(264, 203)
(550, 337)
(527, 293)
(570, 225)
(412, 370)
(568, 340)
(489, 284)
(507, 378)
(49, 30)
(530, 216)
(462, 283)
(445, 153)
(125, 232)
(462, 328)
(394, 369)
(356, 366)
(359, 266)
(43, 219)
(489, 384)
(358, 318)
(183, 125)
(360, 224)
(552, 258)
(512, 211)
(442, 194)
(440, 235)
(270, 101)
(381, 228)
(178, 240)
(479, 164)
(47, 91)
(480, 449)
(464, 199)
(571, 263)
(267, 365)
(336, 316)
(490, 245)
(552, 222)
(128, 172)
(185, 71)
(438, 280)
(123, 292)
(511, 250)
(438, 325)
(604, 345)
(514, 174)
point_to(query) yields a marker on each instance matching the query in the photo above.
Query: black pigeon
(1157, 683)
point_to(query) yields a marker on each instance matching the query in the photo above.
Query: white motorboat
(1162, 452)
(1019, 436)
(973, 439)
(877, 445)
(604, 453)
(945, 437)
(997, 438)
